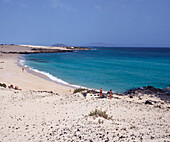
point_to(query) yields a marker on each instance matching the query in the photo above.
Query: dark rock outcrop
(164, 94)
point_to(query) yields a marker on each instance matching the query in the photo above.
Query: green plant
(3, 85)
(99, 113)
(79, 90)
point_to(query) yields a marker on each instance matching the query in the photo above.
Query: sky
(84, 22)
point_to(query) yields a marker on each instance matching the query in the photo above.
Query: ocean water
(119, 69)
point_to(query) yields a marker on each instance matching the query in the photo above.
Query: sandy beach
(37, 114)
(13, 74)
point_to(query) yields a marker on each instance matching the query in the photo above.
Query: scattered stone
(140, 98)
(121, 137)
(148, 102)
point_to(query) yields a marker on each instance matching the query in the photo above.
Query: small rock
(148, 102)
(121, 137)
(140, 98)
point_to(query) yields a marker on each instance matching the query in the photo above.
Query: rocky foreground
(46, 116)
(148, 95)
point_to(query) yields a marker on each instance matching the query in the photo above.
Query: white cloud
(59, 4)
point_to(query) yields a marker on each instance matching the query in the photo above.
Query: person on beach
(101, 92)
(11, 86)
(110, 94)
(16, 88)
(22, 69)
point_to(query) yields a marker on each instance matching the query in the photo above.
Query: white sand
(29, 115)
(12, 74)
(36, 116)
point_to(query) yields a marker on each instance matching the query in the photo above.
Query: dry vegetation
(100, 113)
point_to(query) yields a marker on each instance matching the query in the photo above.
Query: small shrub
(3, 85)
(99, 113)
(100, 121)
(79, 90)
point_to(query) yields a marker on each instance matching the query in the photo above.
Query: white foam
(21, 61)
(53, 78)
(50, 76)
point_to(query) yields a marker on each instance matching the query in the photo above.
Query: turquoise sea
(119, 69)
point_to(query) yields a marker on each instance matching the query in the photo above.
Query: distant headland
(32, 49)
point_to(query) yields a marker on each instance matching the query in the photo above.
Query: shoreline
(32, 80)
(25, 80)
(41, 74)
(38, 73)
(44, 75)
(135, 93)
(46, 111)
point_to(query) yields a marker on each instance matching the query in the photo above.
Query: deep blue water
(118, 69)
